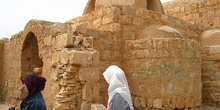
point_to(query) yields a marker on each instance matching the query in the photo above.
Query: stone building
(164, 58)
(204, 13)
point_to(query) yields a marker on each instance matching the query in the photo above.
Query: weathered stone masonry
(161, 57)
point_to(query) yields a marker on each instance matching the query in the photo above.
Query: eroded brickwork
(205, 12)
(160, 54)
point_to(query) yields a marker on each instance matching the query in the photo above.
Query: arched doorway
(30, 54)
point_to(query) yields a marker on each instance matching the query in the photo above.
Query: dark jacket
(118, 103)
(34, 102)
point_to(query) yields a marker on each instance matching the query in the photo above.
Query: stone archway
(30, 54)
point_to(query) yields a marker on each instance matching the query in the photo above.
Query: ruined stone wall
(130, 24)
(2, 41)
(15, 58)
(210, 75)
(210, 66)
(11, 70)
(165, 73)
(205, 12)
(73, 56)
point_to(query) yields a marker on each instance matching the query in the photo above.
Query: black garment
(118, 103)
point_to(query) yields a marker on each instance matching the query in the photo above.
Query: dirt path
(204, 107)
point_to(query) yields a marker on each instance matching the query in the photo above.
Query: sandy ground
(3, 107)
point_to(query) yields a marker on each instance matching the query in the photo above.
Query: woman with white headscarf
(118, 90)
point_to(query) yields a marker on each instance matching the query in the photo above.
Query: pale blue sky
(16, 13)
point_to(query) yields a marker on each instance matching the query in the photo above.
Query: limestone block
(61, 106)
(69, 92)
(98, 107)
(80, 27)
(157, 103)
(142, 102)
(214, 49)
(63, 99)
(127, 10)
(48, 40)
(180, 102)
(93, 33)
(58, 28)
(87, 42)
(127, 19)
(166, 102)
(64, 57)
(149, 103)
(97, 22)
(136, 102)
(67, 82)
(189, 102)
(84, 58)
(77, 40)
(90, 91)
(89, 74)
(138, 21)
(212, 2)
(73, 69)
(86, 106)
(173, 102)
(64, 40)
(54, 76)
(109, 19)
(116, 27)
(67, 75)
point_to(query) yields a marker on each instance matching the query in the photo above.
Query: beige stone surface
(196, 11)
(154, 5)
(163, 57)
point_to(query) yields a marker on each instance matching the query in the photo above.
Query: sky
(16, 13)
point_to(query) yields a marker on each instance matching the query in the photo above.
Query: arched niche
(30, 54)
(155, 5)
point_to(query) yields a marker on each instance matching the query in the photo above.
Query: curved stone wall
(164, 72)
(210, 66)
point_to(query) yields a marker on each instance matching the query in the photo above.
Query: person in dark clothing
(118, 90)
(33, 85)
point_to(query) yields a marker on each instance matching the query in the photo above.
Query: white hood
(116, 79)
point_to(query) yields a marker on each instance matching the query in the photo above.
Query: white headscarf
(116, 79)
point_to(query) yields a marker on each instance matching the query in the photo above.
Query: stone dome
(158, 31)
(210, 38)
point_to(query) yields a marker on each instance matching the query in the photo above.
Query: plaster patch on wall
(169, 29)
(214, 49)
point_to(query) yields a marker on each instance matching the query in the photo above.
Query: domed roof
(158, 31)
(210, 38)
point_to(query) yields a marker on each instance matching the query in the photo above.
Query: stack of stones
(69, 96)
(75, 70)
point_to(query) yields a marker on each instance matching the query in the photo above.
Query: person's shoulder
(118, 97)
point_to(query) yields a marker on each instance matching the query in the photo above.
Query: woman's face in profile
(25, 89)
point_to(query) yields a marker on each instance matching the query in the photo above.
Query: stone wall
(10, 71)
(73, 56)
(205, 12)
(165, 73)
(132, 24)
(2, 41)
(210, 66)
(211, 75)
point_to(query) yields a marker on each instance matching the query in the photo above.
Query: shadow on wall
(30, 54)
